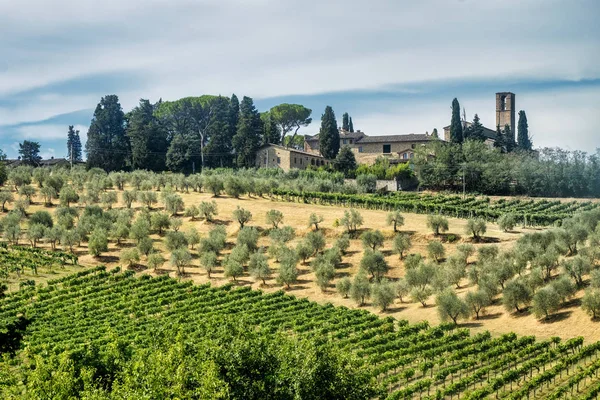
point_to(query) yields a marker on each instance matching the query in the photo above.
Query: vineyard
(405, 361)
(529, 212)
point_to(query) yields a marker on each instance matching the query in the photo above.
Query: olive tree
(477, 301)
(242, 216)
(274, 217)
(315, 220)
(590, 302)
(208, 210)
(259, 267)
(401, 244)
(436, 251)
(351, 220)
(437, 224)
(98, 242)
(450, 306)
(383, 294)
(208, 261)
(155, 261)
(374, 263)
(395, 219)
(361, 288)
(545, 302)
(507, 222)
(476, 227)
(180, 257)
(130, 257)
(343, 287)
(372, 239)
(288, 271)
(516, 294)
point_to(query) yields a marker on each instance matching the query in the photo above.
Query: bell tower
(505, 111)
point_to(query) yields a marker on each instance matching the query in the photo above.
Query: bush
(367, 183)
(437, 224)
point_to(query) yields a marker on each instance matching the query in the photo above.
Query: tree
(259, 267)
(208, 261)
(242, 216)
(361, 288)
(41, 217)
(30, 152)
(271, 131)
(507, 222)
(545, 302)
(374, 263)
(148, 137)
(351, 220)
(192, 236)
(395, 219)
(345, 161)
(576, 267)
(350, 125)
(329, 135)
(421, 294)
(315, 220)
(248, 136)
(342, 243)
(98, 243)
(3, 172)
(435, 250)
(509, 141)
(208, 210)
(73, 145)
(248, 236)
(176, 240)
(288, 271)
(316, 241)
(477, 301)
(35, 232)
(500, 142)
(402, 289)
(130, 257)
(5, 197)
(437, 223)
(523, 138)
(450, 306)
(155, 261)
(274, 217)
(372, 239)
(180, 257)
(383, 294)
(456, 127)
(401, 244)
(591, 302)
(475, 131)
(434, 134)
(516, 293)
(290, 116)
(160, 222)
(476, 227)
(343, 286)
(346, 122)
(107, 146)
(173, 203)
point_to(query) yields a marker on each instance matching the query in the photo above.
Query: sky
(394, 65)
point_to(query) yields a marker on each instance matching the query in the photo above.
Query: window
(278, 160)
(266, 160)
(312, 161)
(350, 141)
(344, 141)
(412, 146)
(300, 160)
(294, 160)
(387, 148)
(405, 156)
(360, 149)
(503, 103)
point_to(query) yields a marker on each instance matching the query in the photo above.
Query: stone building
(368, 148)
(286, 158)
(505, 114)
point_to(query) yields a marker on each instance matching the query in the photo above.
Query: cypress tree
(271, 132)
(456, 130)
(329, 136)
(148, 138)
(524, 141)
(345, 161)
(350, 125)
(234, 114)
(346, 122)
(509, 143)
(248, 137)
(73, 144)
(434, 134)
(475, 131)
(107, 145)
(499, 142)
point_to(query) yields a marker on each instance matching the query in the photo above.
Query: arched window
(503, 103)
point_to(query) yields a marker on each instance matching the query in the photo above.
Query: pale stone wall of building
(395, 147)
(286, 159)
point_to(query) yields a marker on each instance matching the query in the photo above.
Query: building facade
(368, 148)
(276, 156)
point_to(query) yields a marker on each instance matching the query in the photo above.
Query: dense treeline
(550, 172)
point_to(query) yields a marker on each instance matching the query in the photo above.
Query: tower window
(503, 103)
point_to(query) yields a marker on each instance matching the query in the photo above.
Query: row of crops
(408, 361)
(19, 259)
(530, 212)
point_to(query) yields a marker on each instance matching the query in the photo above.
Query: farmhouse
(286, 158)
(368, 148)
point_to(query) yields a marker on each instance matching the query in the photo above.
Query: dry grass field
(570, 321)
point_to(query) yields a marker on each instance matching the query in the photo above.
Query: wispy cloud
(59, 57)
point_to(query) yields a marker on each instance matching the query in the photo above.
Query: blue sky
(395, 65)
